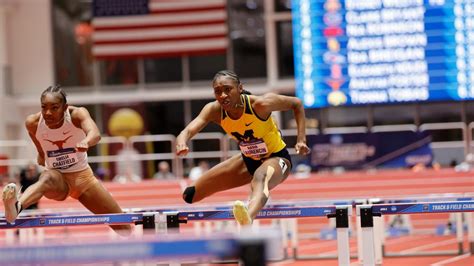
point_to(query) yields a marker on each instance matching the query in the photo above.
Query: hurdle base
(460, 248)
(232, 261)
(423, 253)
(222, 262)
(297, 256)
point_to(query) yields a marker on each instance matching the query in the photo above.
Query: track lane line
(450, 260)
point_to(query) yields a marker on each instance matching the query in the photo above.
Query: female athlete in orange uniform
(62, 135)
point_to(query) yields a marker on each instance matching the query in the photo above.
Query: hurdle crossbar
(424, 207)
(266, 213)
(108, 219)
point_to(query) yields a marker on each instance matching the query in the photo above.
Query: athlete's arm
(31, 124)
(264, 105)
(210, 113)
(81, 117)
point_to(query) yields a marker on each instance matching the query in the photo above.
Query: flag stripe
(177, 11)
(127, 27)
(160, 54)
(162, 39)
(166, 19)
(159, 5)
(162, 47)
(153, 33)
(171, 28)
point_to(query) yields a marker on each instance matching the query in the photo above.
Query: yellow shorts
(79, 182)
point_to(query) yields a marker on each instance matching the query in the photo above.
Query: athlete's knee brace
(188, 194)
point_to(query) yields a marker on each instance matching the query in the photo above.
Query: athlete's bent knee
(188, 194)
(47, 181)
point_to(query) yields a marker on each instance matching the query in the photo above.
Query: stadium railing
(22, 152)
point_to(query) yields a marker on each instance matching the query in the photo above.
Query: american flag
(158, 28)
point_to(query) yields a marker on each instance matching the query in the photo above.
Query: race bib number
(62, 159)
(255, 148)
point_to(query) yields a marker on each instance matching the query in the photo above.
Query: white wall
(8, 117)
(30, 47)
(27, 40)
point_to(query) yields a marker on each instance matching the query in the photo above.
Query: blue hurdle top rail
(107, 219)
(266, 213)
(428, 207)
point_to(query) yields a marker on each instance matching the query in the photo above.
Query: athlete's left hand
(82, 146)
(301, 148)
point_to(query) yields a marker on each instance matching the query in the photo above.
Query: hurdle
(167, 221)
(170, 222)
(162, 220)
(379, 223)
(371, 247)
(244, 248)
(251, 250)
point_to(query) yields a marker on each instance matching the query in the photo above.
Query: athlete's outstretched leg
(50, 185)
(271, 173)
(226, 175)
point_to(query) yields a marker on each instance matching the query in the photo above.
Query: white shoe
(241, 213)
(10, 199)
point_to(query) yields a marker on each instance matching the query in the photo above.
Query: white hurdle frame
(370, 244)
(470, 230)
(366, 236)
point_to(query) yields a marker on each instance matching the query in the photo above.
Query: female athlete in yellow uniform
(264, 161)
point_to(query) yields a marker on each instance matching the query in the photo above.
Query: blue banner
(369, 150)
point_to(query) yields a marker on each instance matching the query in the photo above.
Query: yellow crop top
(257, 138)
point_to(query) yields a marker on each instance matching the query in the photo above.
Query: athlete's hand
(182, 149)
(82, 146)
(301, 148)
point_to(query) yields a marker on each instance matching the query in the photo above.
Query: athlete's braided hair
(55, 89)
(229, 74)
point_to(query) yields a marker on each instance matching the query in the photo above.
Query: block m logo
(248, 135)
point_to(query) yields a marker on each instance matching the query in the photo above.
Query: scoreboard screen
(355, 52)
